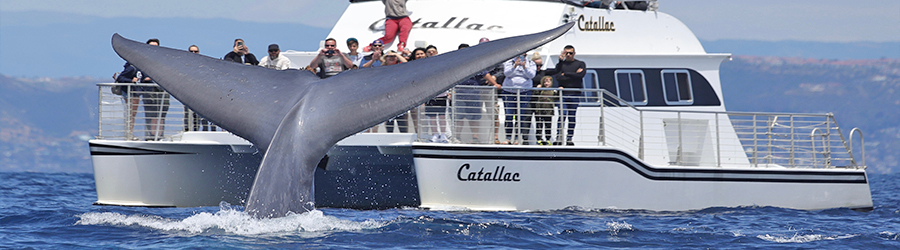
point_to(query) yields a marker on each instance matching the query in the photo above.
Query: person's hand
(377, 53)
(238, 49)
(134, 80)
(245, 49)
(579, 70)
(562, 55)
(498, 86)
(322, 52)
(337, 51)
(147, 79)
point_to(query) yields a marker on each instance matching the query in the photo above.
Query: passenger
(436, 109)
(571, 71)
(240, 53)
(402, 119)
(330, 61)
(275, 60)
(542, 103)
(494, 75)
(392, 58)
(517, 96)
(193, 121)
(468, 102)
(355, 57)
(396, 22)
(374, 59)
(156, 102)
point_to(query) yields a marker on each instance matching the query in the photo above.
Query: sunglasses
(570, 53)
(194, 51)
(377, 45)
(328, 46)
(274, 50)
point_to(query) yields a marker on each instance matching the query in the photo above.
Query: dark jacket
(567, 73)
(234, 57)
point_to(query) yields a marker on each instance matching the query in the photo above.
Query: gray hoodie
(395, 8)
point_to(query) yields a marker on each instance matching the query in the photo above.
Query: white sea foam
(231, 221)
(802, 238)
(616, 226)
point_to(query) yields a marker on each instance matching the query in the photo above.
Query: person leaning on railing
(570, 74)
(131, 74)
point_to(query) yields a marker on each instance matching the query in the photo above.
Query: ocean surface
(54, 211)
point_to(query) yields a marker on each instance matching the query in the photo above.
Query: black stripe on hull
(110, 150)
(658, 174)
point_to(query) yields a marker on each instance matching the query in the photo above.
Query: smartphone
(240, 43)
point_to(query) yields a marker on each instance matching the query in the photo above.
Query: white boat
(652, 132)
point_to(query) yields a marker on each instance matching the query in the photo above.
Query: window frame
(690, 87)
(643, 85)
(591, 94)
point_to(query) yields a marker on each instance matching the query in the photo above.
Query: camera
(329, 52)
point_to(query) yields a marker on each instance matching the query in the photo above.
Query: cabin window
(677, 87)
(631, 87)
(591, 86)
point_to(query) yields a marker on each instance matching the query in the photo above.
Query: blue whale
(294, 117)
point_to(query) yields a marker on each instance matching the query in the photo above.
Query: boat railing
(144, 112)
(673, 136)
(540, 116)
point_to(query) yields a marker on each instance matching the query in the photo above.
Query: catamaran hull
(546, 178)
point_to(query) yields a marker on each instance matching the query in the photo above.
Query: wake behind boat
(652, 132)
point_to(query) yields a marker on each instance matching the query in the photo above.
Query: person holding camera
(330, 61)
(516, 96)
(241, 54)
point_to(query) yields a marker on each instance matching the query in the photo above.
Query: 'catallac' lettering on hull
(499, 174)
(600, 25)
(452, 23)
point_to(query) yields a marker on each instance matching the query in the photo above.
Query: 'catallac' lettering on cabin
(499, 174)
(452, 23)
(601, 25)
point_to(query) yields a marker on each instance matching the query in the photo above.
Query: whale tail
(295, 117)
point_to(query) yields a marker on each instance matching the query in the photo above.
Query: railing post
(100, 110)
(862, 147)
(602, 125)
(718, 144)
(791, 152)
(755, 142)
(641, 146)
(679, 156)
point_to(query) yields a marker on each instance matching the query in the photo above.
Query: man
(330, 61)
(240, 53)
(374, 59)
(518, 72)
(274, 60)
(570, 74)
(194, 122)
(156, 102)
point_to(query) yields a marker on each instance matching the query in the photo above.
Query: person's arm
(369, 62)
(127, 75)
(315, 61)
(284, 63)
(509, 67)
(348, 64)
(251, 59)
(580, 71)
(530, 69)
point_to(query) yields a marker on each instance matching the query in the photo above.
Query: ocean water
(54, 211)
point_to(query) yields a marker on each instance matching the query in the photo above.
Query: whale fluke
(294, 117)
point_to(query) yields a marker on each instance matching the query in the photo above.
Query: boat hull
(546, 178)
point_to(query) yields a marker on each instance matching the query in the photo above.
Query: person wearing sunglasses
(330, 61)
(275, 60)
(570, 74)
(374, 59)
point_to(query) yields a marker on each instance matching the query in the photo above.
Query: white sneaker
(435, 138)
(443, 138)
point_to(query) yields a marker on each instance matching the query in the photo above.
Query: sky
(762, 20)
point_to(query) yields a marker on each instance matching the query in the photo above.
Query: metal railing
(541, 116)
(141, 111)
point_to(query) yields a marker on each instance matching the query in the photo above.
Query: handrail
(862, 147)
(711, 138)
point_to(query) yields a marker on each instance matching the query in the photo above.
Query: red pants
(390, 30)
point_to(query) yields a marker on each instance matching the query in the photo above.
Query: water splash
(231, 221)
(797, 238)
